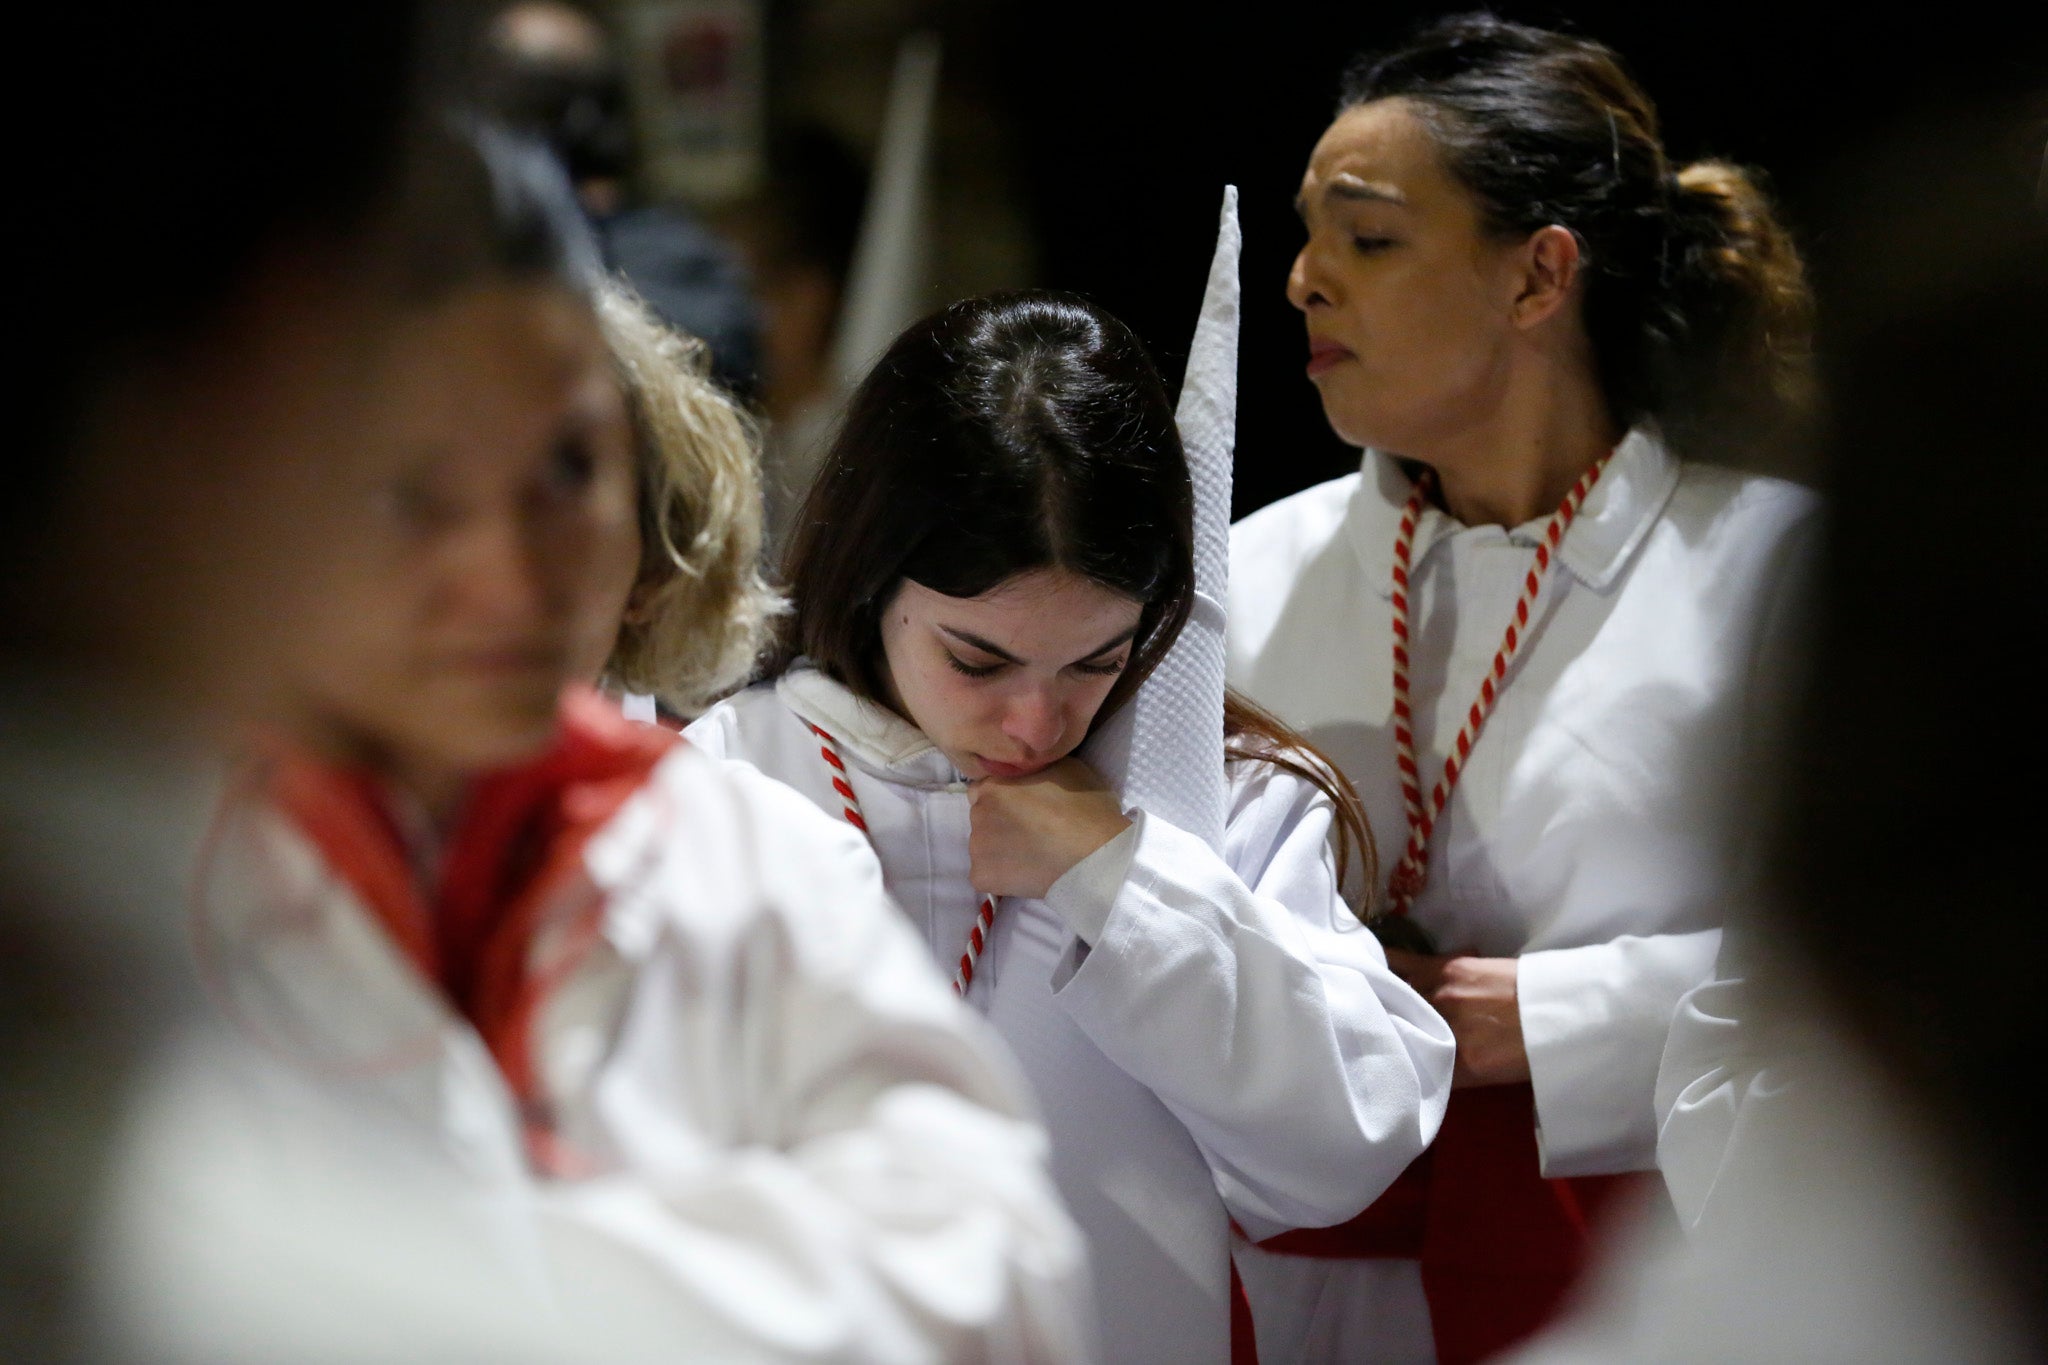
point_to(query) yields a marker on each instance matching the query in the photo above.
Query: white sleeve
(1249, 999)
(1701, 1084)
(835, 1159)
(1594, 1020)
(1725, 1049)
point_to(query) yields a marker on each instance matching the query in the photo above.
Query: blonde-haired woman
(699, 608)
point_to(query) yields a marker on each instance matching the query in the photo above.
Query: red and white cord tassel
(1413, 868)
(842, 784)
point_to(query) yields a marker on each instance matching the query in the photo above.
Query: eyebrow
(976, 642)
(1357, 191)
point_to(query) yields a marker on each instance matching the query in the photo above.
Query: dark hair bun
(1741, 367)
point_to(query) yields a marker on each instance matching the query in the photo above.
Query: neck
(1518, 464)
(437, 789)
(440, 793)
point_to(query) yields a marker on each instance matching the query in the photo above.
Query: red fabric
(1244, 1342)
(1500, 1245)
(515, 851)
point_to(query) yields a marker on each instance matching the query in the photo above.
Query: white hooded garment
(1593, 834)
(796, 1145)
(1210, 1036)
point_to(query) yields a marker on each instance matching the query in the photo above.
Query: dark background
(1126, 127)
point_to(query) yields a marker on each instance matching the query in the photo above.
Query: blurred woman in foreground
(653, 1063)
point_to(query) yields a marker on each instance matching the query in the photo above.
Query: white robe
(1593, 833)
(1209, 1037)
(802, 1147)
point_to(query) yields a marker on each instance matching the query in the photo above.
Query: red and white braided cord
(1413, 869)
(985, 917)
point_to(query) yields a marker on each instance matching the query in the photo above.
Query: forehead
(1050, 615)
(517, 335)
(493, 364)
(1377, 151)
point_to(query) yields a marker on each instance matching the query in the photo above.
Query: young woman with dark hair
(997, 552)
(1532, 629)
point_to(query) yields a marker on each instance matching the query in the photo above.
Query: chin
(1371, 431)
(499, 737)
(1352, 427)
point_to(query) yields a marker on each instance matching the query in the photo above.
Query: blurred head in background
(550, 72)
(554, 72)
(800, 234)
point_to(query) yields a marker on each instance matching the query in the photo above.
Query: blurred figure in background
(1851, 1131)
(799, 234)
(550, 70)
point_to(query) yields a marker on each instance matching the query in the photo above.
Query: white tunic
(1209, 1037)
(800, 1147)
(1591, 833)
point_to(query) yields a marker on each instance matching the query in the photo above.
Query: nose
(499, 573)
(1303, 283)
(1035, 720)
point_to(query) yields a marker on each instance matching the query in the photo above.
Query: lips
(505, 659)
(1324, 354)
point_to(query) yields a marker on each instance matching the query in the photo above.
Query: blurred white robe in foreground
(789, 1141)
(1822, 1224)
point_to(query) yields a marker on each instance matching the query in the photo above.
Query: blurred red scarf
(513, 861)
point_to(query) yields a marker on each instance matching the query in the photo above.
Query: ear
(640, 602)
(1550, 271)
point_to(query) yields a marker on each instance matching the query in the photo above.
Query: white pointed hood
(1164, 750)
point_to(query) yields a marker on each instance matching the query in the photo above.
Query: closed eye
(1102, 670)
(961, 666)
(1366, 246)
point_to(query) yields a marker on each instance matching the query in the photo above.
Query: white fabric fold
(1164, 751)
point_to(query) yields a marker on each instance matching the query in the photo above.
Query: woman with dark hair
(1533, 628)
(997, 552)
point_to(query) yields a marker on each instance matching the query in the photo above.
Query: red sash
(1500, 1245)
(516, 849)
(1244, 1341)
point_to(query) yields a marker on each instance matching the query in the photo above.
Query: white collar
(875, 735)
(1616, 516)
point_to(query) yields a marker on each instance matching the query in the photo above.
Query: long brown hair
(1010, 433)
(999, 435)
(1251, 732)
